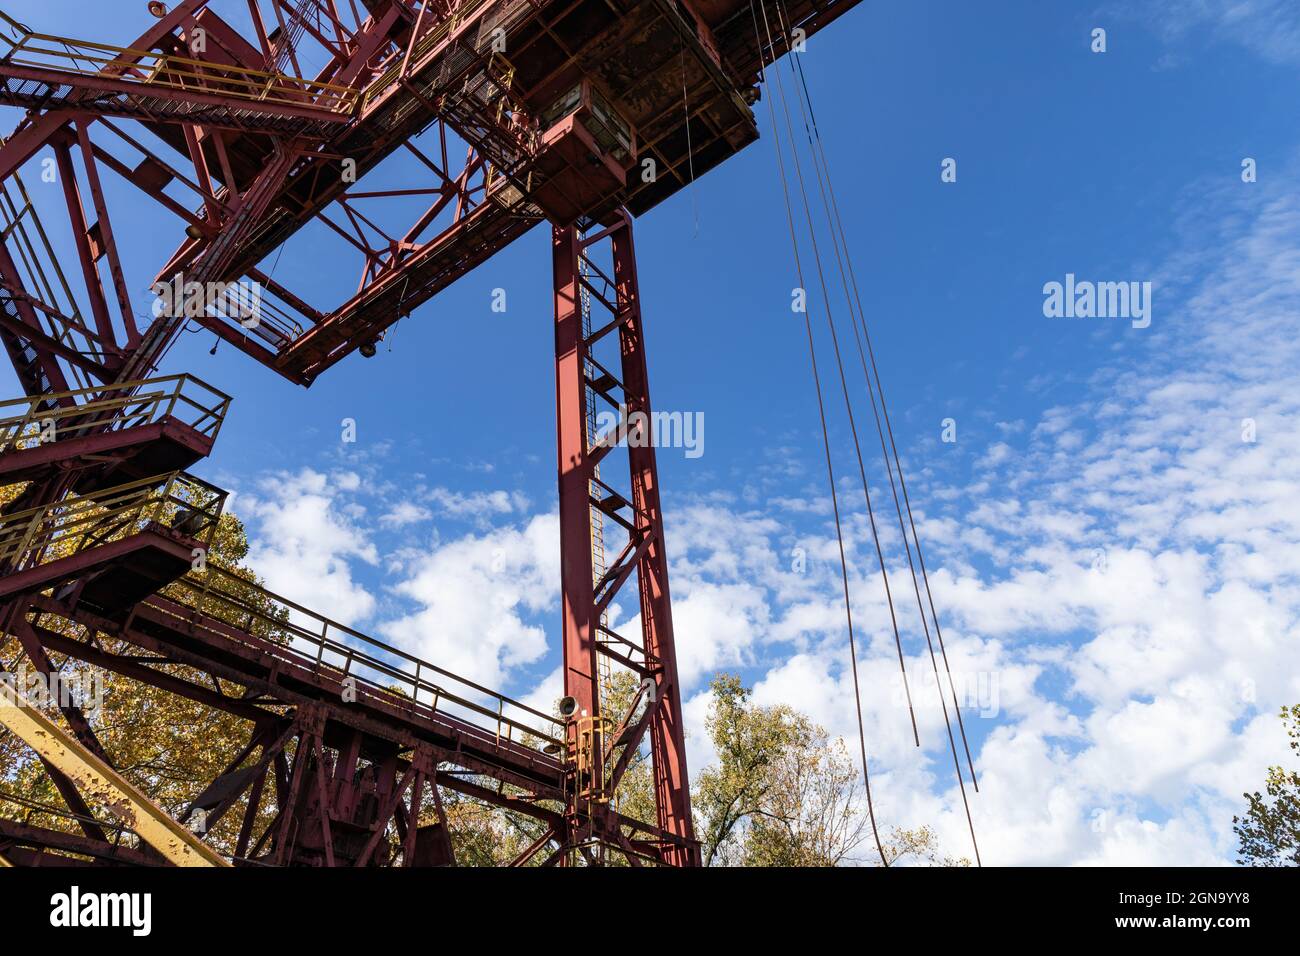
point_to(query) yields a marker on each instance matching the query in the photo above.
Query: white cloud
(301, 541)
(1127, 569)
(476, 504)
(1268, 28)
(473, 595)
(404, 513)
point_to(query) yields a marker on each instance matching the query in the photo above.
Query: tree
(813, 814)
(919, 847)
(1269, 833)
(486, 835)
(783, 793)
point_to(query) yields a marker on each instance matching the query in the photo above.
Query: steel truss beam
(350, 781)
(260, 183)
(271, 153)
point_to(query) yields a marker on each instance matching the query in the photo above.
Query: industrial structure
(244, 125)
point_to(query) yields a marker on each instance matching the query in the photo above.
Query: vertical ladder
(598, 567)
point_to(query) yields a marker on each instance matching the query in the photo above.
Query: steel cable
(835, 224)
(830, 470)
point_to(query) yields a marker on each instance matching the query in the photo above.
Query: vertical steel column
(667, 736)
(576, 463)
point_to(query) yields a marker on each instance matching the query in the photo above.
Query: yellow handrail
(62, 528)
(153, 69)
(188, 399)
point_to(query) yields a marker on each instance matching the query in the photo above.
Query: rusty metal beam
(102, 783)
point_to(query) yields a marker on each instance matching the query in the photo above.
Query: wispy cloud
(1123, 573)
(1268, 28)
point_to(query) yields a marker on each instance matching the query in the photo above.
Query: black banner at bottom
(136, 907)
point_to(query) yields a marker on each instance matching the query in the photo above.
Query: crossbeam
(101, 783)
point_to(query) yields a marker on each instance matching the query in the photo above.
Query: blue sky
(1110, 559)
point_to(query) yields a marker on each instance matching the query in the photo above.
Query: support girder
(92, 775)
(279, 675)
(588, 589)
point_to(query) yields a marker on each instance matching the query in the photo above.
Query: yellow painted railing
(177, 501)
(153, 70)
(35, 419)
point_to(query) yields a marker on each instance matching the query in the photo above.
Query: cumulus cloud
(404, 513)
(303, 541)
(474, 597)
(476, 504)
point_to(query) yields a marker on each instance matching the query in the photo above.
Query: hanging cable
(830, 469)
(848, 405)
(816, 149)
(838, 230)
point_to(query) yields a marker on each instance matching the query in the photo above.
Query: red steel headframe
(242, 152)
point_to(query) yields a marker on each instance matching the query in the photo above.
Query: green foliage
(786, 793)
(1269, 833)
(485, 835)
(919, 847)
(783, 793)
